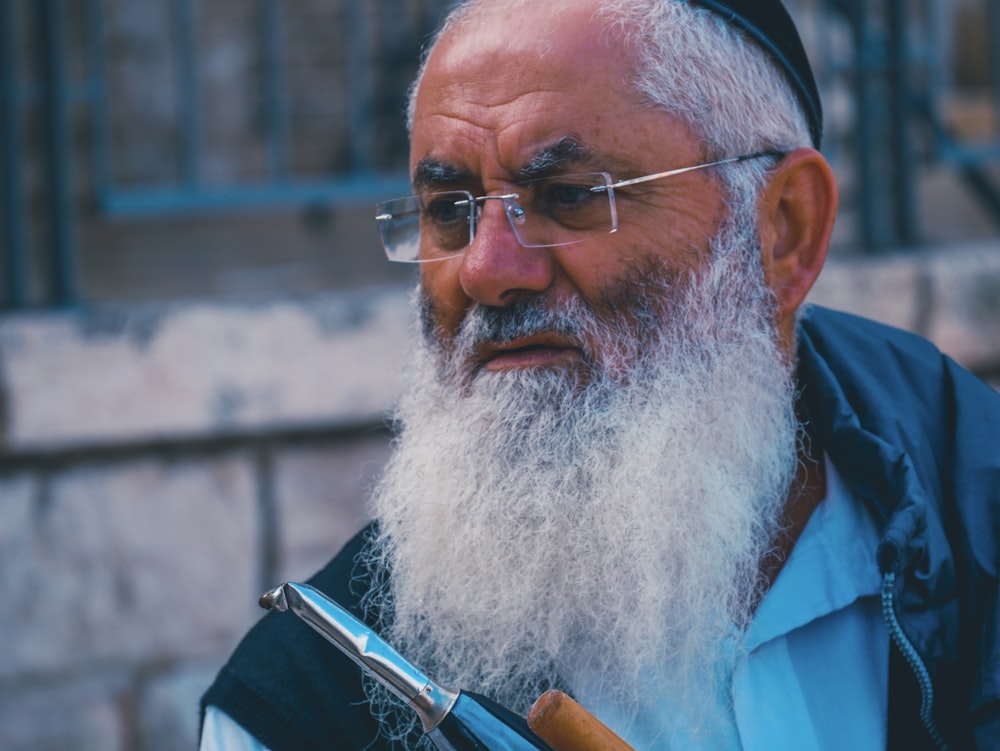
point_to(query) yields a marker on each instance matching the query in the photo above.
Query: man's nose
(495, 267)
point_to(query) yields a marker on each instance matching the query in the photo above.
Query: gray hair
(706, 72)
(699, 68)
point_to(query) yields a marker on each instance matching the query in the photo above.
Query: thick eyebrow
(433, 173)
(569, 150)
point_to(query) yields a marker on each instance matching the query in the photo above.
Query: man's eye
(566, 195)
(447, 210)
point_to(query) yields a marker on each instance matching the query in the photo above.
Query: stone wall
(162, 466)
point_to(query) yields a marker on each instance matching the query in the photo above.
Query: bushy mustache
(486, 324)
(526, 316)
(628, 309)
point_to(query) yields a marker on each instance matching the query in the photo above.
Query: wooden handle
(566, 726)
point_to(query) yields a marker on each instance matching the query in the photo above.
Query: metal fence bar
(359, 86)
(900, 61)
(12, 206)
(187, 90)
(58, 138)
(868, 63)
(275, 103)
(102, 162)
(993, 21)
(987, 189)
(939, 78)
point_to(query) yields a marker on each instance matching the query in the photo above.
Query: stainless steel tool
(453, 720)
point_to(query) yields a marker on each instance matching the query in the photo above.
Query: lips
(539, 350)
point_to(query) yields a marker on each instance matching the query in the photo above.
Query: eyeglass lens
(550, 211)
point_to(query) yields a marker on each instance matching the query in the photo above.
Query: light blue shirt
(816, 672)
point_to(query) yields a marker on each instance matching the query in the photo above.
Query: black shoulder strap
(290, 688)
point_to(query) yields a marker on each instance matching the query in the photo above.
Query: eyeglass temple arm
(693, 168)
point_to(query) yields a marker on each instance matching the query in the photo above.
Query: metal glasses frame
(516, 214)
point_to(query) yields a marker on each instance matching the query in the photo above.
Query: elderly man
(630, 464)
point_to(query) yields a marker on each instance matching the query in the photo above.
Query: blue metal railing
(54, 100)
(185, 61)
(362, 183)
(276, 104)
(59, 152)
(896, 71)
(894, 68)
(38, 243)
(11, 197)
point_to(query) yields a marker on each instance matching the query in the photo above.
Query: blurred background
(200, 338)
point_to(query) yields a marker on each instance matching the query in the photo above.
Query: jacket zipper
(912, 658)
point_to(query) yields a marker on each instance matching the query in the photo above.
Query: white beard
(599, 528)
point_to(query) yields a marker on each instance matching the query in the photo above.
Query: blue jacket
(918, 438)
(912, 433)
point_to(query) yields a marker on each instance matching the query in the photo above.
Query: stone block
(321, 493)
(966, 320)
(129, 563)
(88, 714)
(888, 289)
(168, 708)
(951, 296)
(108, 376)
(17, 495)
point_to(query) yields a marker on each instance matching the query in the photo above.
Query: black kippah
(768, 23)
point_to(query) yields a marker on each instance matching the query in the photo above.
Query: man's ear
(797, 210)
